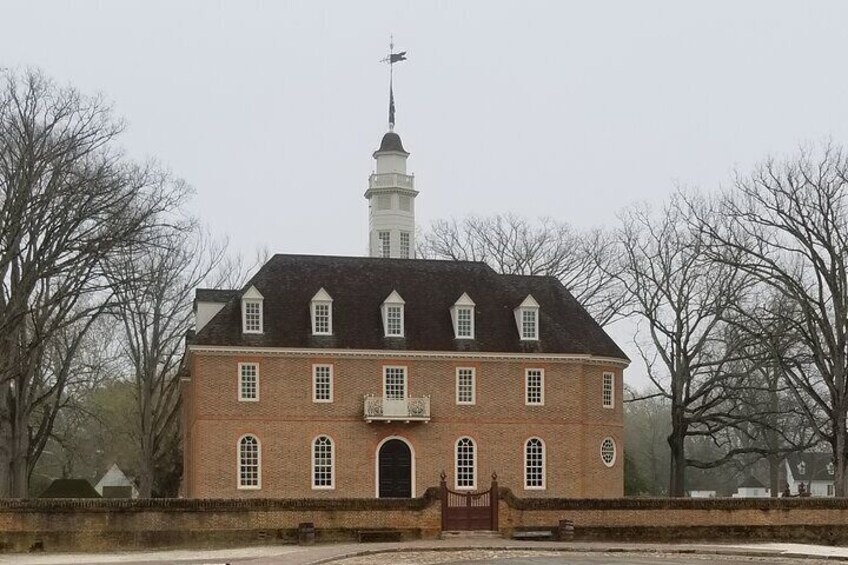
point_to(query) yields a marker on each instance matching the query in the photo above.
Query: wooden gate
(470, 510)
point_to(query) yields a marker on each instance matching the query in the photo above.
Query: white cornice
(393, 353)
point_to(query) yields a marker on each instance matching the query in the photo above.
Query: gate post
(444, 498)
(494, 498)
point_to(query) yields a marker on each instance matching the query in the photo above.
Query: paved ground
(454, 552)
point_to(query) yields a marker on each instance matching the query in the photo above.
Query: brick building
(367, 377)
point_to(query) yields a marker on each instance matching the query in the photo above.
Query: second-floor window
(248, 388)
(322, 383)
(534, 387)
(465, 385)
(394, 383)
(609, 390)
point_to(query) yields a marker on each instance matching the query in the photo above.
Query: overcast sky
(271, 110)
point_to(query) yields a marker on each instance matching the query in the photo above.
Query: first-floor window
(466, 463)
(248, 462)
(322, 462)
(608, 452)
(322, 383)
(248, 382)
(534, 464)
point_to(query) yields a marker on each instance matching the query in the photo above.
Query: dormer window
(251, 311)
(321, 308)
(830, 468)
(527, 319)
(462, 314)
(393, 315)
(802, 468)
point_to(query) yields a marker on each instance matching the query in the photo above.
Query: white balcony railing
(379, 409)
(388, 180)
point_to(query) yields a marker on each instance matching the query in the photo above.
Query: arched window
(466, 464)
(248, 463)
(534, 464)
(322, 463)
(608, 452)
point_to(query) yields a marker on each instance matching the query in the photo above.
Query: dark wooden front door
(395, 469)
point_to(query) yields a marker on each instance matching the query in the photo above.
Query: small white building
(702, 494)
(116, 484)
(751, 487)
(814, 470)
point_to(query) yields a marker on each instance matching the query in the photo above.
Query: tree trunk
(774, 475)
(839, 454)
(677, 476)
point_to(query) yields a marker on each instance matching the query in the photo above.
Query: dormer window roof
(251, 311)
(462, 315)
(393, 315)
(321, 312)
(527, 319)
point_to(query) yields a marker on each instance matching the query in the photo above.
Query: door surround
(377, 464)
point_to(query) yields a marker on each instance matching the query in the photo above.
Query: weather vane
(390, 60)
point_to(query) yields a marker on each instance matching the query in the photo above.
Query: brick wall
(572, 423)
(90, 525)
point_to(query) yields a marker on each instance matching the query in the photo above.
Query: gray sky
(574, 110)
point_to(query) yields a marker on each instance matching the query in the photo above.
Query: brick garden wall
(93, 525)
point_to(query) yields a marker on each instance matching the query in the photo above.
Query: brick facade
(572, 423)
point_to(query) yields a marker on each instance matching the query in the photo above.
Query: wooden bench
(533, 535)
(378, 535)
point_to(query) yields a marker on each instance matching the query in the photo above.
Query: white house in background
(702, 494)
(751, 487)
(815, 470)
(116, 484)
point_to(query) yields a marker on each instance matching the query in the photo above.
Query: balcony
(379, 409)
(391, 180)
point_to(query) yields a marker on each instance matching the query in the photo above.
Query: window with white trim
(534, 387)
(466, 387)
(322, 383)
(462, 314)
(248, 382)
(404, 245)
(466, 464)
(394, 383)
(527, 319)
(252, 310)
(321, 318)
(394, 320)
(608, 451)
(249, 457)
(322, 463)
(609, 390)
(385, 243)
(534, 464)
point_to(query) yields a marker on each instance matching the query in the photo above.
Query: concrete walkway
(320, 554)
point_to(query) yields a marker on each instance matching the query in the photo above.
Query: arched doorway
(394, 469)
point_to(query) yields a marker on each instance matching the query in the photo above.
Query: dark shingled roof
(816, 466)
(70, 488)
(359, 285)
(213, 295)
(391, 142)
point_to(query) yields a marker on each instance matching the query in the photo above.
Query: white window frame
(527, 372)
(315, 368)
(405, 250)
(321, 298)
(608, 387)
(463, 304)
(611, 463)
(473, 444)
(241, 396)
(385, 245)
(403, 368)
(544, 473)
(258, 484)
(473, 374)
(394, 300)
(332, 445)
(528, 306)
(244, 305)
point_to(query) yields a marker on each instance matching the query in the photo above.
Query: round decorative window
(608, 452)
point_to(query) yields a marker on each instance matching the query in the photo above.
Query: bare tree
(585, 262)
(68, 201)
(155, 310)
(786, 226)
(681, 298)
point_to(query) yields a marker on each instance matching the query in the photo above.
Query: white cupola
(391, 202)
